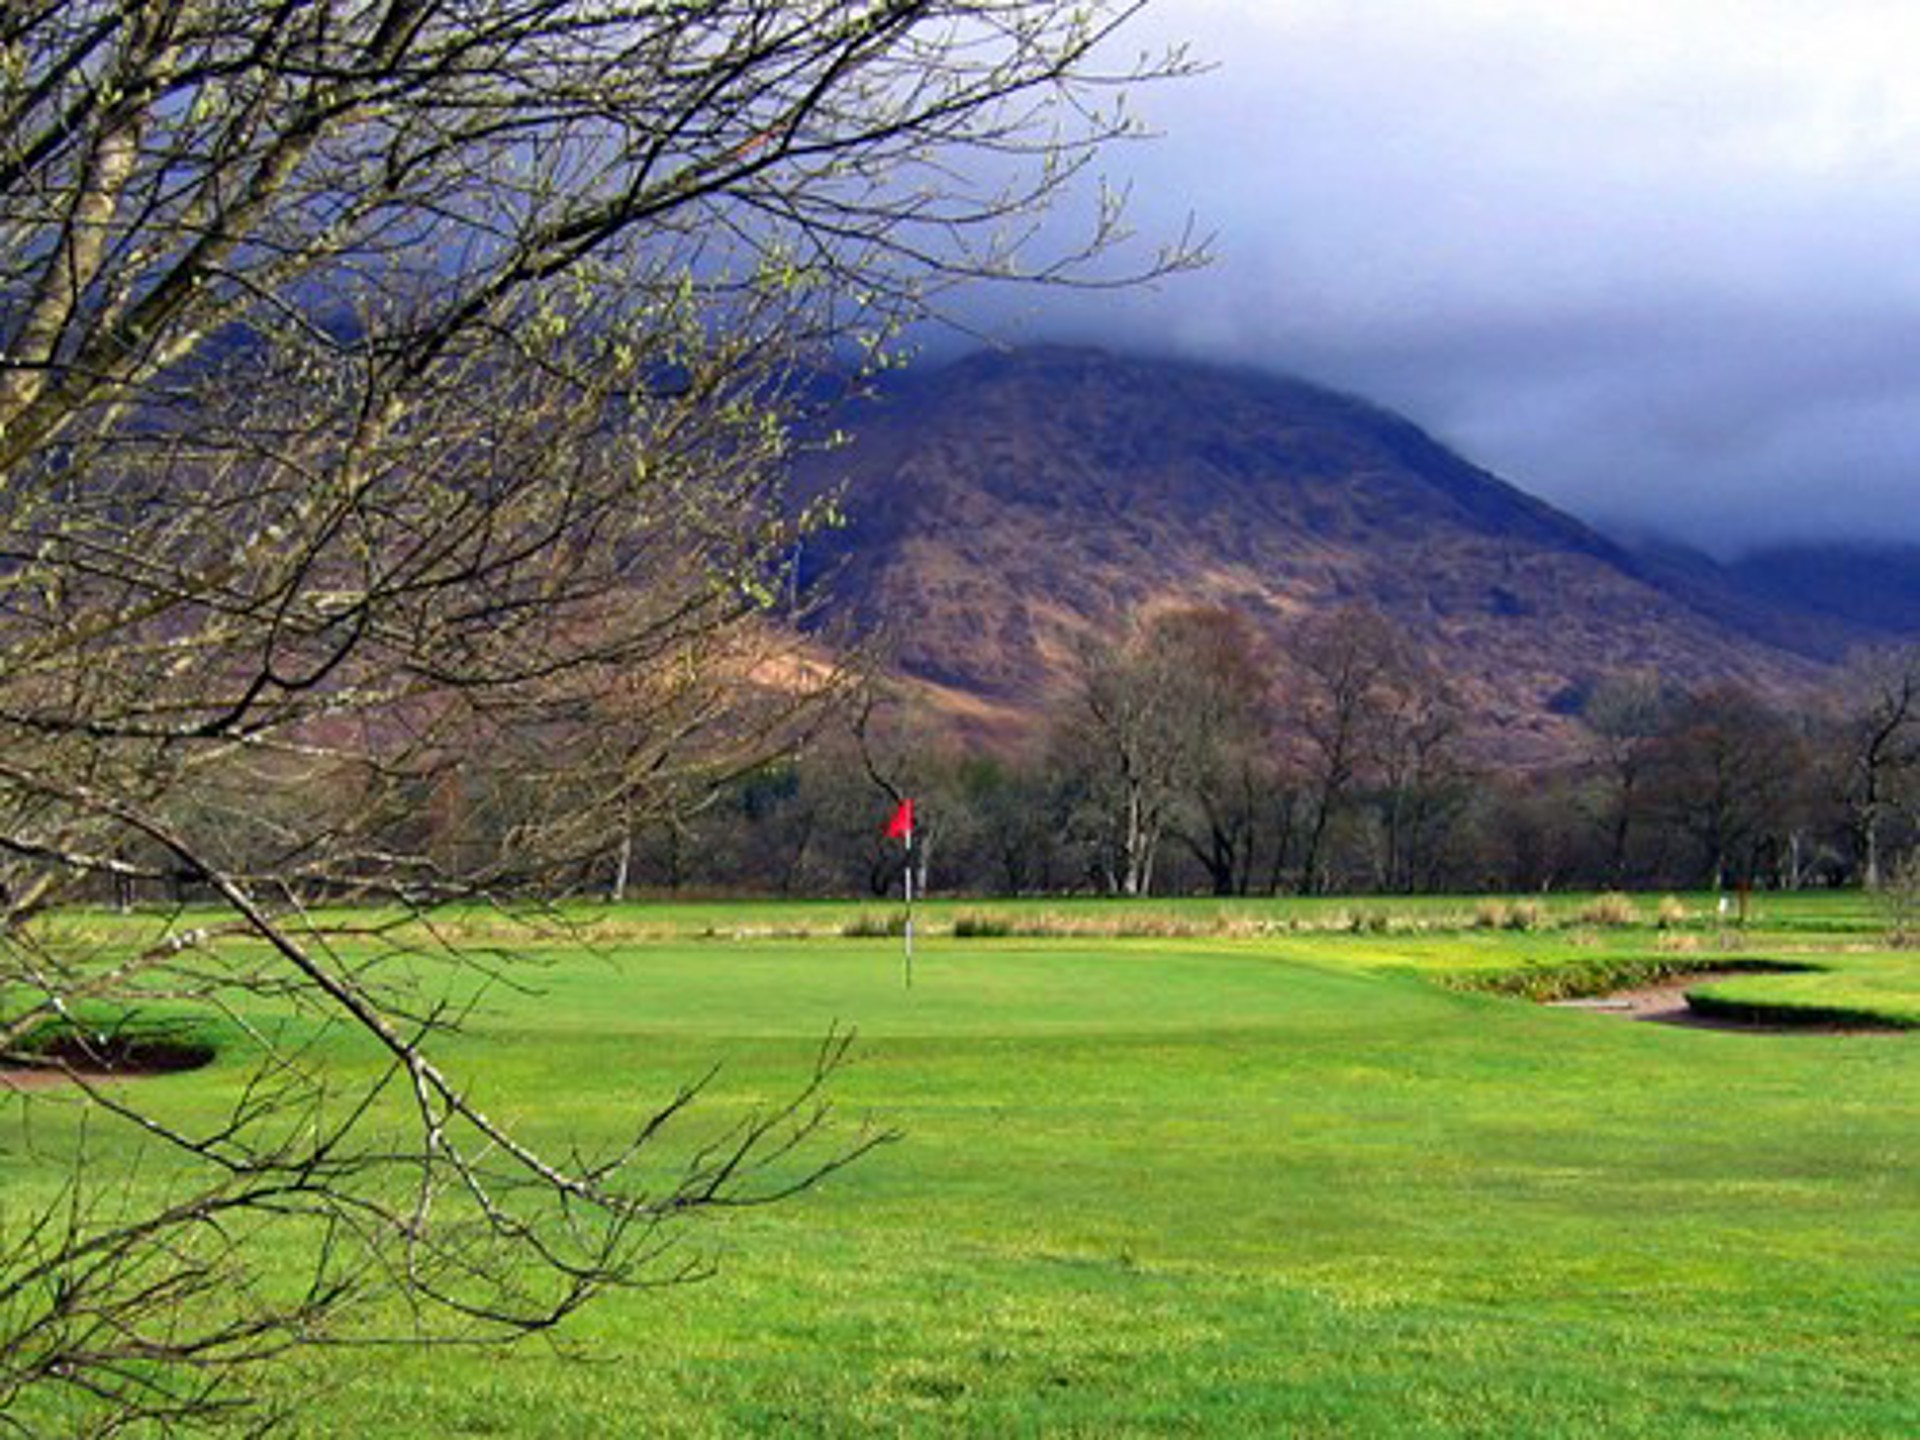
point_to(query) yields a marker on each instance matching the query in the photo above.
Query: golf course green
(1271, 1171)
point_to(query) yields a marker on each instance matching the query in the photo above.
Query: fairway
(1274, 1186)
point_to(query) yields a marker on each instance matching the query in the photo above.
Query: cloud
(1658, 262)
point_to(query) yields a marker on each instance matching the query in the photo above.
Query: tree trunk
(622, 867)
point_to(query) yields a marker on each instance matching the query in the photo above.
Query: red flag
(900, 827)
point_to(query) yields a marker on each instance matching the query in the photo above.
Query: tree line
(1190, 756)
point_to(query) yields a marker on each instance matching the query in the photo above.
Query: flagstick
(900, 827)
(909, 892)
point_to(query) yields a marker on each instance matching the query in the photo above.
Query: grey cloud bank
(1659, 265)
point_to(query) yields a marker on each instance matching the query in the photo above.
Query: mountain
(1753, 600)
(1008, 507)
(1874, 589)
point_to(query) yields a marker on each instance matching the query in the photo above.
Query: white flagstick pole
(909, 891)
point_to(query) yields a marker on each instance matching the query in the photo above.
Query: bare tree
(1900, 899)
(1123, 738)
(1422, 776)
(1723, 775)
(1624, 713)
(1879, 738)
(394, 396)
(1008, 812)
(1166, 737)
(1223, 709)
(1345, 663)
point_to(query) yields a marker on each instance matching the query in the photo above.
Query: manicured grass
(1197, 1187)
(1855, 987)
(1276, 1183)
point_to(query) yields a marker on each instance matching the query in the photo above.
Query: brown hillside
(1007, 506)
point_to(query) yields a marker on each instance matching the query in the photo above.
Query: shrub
(1672, 913)
(1248, 927)
(1612, 908)
(1900, 898)
(874, 927)
(1491, 915)
(982, 927)
(1163, 927)
(1525, 915)
(1606, 976)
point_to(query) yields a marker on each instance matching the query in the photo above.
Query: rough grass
(1581, 978)
(1824, 914)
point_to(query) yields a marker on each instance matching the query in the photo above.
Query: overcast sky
(1657, 261)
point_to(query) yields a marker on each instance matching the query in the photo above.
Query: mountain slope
(1007, 506)
(1872, 588)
